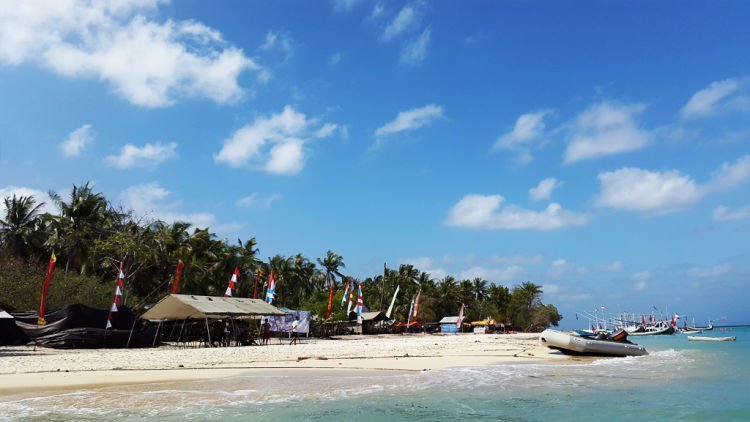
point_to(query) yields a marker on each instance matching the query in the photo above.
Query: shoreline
(27, 370)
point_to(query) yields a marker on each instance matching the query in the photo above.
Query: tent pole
(179, 336)
(208, 331)
(131, 333)
(156, 334)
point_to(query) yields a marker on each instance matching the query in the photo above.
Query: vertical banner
(330, 302)
(177, 278)
(45, 287)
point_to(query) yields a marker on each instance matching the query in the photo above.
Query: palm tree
(82, 220)
(480, 289)
(20, 225)
(332, 262)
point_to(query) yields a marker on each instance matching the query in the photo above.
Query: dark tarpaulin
(10, 334)
(79, 326)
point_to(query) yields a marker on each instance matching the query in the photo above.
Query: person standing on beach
(265, 332)
(295, 324)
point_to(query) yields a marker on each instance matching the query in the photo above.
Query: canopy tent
(484, 322)
(175, 307)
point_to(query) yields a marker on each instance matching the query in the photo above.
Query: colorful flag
(360, 303)
(351, 299)
(393, 301)
(117, 300)
(330, 302)
(177, 277)
(45, 287)
(271, 290)
(232, 282)
(408, 316)
(346, 291)
(460, 317)
(416, 303)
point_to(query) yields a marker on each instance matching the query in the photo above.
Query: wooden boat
(704, 338)
(654, 331)
(570, 343)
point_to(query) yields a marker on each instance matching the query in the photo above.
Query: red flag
(177, 277)
(45, 287)
(232, 282)
(330, 302)
(460, 318)
(117, 300)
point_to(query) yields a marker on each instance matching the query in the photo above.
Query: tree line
(91, 238)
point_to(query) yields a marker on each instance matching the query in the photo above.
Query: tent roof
(5, 315)
(449, 320)
(213, 307)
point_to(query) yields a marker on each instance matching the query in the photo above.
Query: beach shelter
(449, 324)
(193, 307)
(10, 334)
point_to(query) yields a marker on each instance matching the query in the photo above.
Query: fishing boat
(654, 330)
(704, 338)
(572, 343)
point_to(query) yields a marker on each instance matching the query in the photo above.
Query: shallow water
(678, 380)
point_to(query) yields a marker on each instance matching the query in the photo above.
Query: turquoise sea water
(679, 380)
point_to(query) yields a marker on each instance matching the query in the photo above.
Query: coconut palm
(19, 228)
(480, 289)
(332, 262)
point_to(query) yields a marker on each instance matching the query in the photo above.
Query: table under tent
(198, 321)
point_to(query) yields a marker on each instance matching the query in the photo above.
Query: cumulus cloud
(534, 259)
(411, 119)
(487, 212)
(544, 189)
(147, 156)
(257, 200)
(426, 264)
(605, 129)
(561, 267)
(152, 201)
(723, 213)
(407, 18)
(414, 51)
(654, 192)
(646, 191)
(275, 144)
(149, 63)
(707, 272)
(529, 128)
(727, 95)
(640, 280)
(39, 196)
(77, 141)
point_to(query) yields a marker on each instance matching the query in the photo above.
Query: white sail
(390, 308)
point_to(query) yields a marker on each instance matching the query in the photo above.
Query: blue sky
(599, 149)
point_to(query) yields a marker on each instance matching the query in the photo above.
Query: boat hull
(571, 344)
(701, 338)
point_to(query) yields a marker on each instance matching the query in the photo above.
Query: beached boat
(654, 330)
(704, 338)
(571, 343)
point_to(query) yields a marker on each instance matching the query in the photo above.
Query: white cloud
(487, 213)
(723, 213)
(257, 200)
(407, 18)
(561, 267)
(529, 128)
(279, 41)
(151, 200)
(605, 129)
(719, 96)
(706, 272)
(536, 259)
(730, 175)
(426, 264)
(39, 197)
(275, 144)
(551, 288)
(664, 192)
(414, 51)
(75, 143)
(148, 156)
(149, 63)
(646, 191)
(345, 5)
(411, 119)
(508, 274)
(544, 189)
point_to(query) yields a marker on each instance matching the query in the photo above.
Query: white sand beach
(28, 369)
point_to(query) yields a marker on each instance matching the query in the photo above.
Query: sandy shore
(28, 369)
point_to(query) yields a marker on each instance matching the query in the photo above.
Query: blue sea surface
(678, 380)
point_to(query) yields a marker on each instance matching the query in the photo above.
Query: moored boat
(570, 343)
(705, 338)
